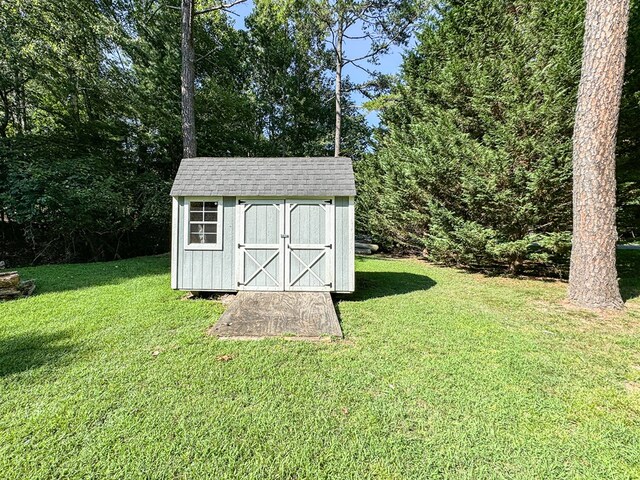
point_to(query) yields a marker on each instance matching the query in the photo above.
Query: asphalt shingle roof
(297, 176)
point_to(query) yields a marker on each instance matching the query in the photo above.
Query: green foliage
(474, 162)
(294, 99)
(295, 96)
(108, 373)
(90, 134)
(81, 198)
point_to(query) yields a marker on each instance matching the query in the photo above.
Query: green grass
(442, 374)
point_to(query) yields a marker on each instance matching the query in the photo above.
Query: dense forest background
(471, 161)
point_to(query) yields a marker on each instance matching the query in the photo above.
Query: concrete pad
(300, 315)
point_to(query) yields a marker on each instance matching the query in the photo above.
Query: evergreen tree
(474, 158)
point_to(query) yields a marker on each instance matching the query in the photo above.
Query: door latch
(284, 235)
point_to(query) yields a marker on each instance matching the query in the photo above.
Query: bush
(68, 199)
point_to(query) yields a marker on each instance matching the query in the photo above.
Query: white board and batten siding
(220, 270)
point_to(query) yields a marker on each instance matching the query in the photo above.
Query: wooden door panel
(260, 245)
(309, 255)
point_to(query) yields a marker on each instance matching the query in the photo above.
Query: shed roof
(251, 176)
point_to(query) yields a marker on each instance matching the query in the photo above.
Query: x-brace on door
(309, 247)
(260, 232)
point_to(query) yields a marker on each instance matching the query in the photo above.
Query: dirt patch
(225, 358)
(632, 387)
(156, 352)
(224, 298)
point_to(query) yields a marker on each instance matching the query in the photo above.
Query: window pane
(196, 216)
(196, 205)
(203, 233)
(195, 238)
(211, 217)
(197, 228)
(211, 206)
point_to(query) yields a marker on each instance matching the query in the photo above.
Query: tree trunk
(188, 81)
(9, 279)
(4, 123)
(338, 132)
(18, 123)
(21, 103)
(593, 281)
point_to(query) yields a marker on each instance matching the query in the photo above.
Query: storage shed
(275, 224)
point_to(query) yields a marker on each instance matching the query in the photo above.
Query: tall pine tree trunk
(593, 280)
(338, 131)
(4, 123)
(188, 81)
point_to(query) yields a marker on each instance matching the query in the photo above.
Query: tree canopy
(471, 161)
(90, 127)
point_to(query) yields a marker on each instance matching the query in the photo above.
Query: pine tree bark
(338, 130)
(593, 280)
(188, 81)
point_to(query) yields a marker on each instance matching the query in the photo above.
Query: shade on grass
(108, 373)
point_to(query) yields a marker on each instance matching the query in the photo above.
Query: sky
(389, 63)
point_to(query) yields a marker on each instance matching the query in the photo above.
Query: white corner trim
(175, 219)
(352, 245)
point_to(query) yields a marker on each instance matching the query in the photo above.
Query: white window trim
(186, 223)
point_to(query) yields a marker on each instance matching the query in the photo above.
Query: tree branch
(361, 87)
(366, 70)
(223, 6)
(371, 54)
(384, 45)
(359, 37)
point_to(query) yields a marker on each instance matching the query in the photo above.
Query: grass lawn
(108, 373)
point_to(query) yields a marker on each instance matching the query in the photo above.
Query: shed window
(204, 223)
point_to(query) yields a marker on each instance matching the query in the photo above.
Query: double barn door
(285, 245)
